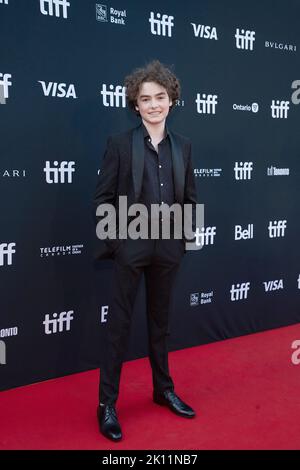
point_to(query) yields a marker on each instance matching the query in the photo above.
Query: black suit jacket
(122, 175)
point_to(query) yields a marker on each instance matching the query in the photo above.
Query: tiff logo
(4, 84)
(243, 170)
(6, 250)
(4, 1)
(279, 109)
(206, 104)
(65, 168)
(57, 324)
(113, 98)
(2, 353)
(277, 228)
(60, 90)
(59, 5)
(207, 236)
(244, 39)
(240, 291)
(163, 26)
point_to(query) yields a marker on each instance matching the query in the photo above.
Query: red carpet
(245, 391)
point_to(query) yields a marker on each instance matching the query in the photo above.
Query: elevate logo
(58, 90)
(161, 25)
(59, 172)
(112, 98)
(239, 291)
(4, 84)
(273, 285)
(279, 109)
(6, 252)
(206, 104)
(277, 228)
(244, 39)
(56, 324)
(206, 32)
(243, 170)
(207, 172)
(46, 7)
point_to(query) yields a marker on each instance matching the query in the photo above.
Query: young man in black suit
(149, 165)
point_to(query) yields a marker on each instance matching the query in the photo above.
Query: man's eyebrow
(157, 94)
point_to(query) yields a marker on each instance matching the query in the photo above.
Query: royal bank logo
(115, 97)
(161, 24)
(206, 103)
(201, 298)
(101, 13)
(239, 291)
(274, 171)
(59, 172)
(56, 8)
(207, 172)
(7, 250)
(113, 15)
(204, 31)
(62, 250)
(279, 109)
(194, 299)
(5, 82)
(244, 39)
(58, 323)
(243, 170)
(254, 108)
(58, 90)
(276, 228)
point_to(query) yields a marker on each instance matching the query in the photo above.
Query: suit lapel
(138, 159)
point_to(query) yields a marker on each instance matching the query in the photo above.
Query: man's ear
(136, 107)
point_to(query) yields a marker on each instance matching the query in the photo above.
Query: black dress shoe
(108, 422)
(170, 399)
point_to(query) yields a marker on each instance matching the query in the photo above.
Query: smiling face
(153, 103)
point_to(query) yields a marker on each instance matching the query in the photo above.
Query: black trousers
(159, 260)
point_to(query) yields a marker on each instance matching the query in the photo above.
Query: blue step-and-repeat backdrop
(62, 66)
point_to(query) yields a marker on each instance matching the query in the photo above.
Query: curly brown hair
(156, 72)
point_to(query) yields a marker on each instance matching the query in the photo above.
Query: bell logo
(56, 324)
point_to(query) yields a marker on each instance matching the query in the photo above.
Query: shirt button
(161, 184)
(162, 202)
(159, 166)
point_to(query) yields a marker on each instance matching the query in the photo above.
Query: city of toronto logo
(122, 221)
